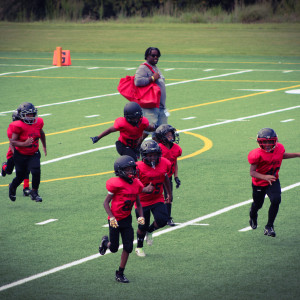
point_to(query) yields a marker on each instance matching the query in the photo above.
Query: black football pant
(125, 150)
(127, 234)
(169, 205)
(274, 193)
(25, 164)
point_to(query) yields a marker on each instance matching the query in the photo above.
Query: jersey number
(127, 205)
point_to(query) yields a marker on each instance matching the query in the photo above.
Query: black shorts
(273, 191)
(125, 150)
(159, 212)
(126, 231)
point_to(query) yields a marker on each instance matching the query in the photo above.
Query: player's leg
(169, 205)
(274, 194)
(125, 150)
(8, 167)
(258, 194)
(35, 170)
(141, 231)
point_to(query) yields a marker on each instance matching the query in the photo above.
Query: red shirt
(171, 155)
(129, 134)
(268, 163)
(9, 153)
(124, 196)
(157, 176)
(25, 131)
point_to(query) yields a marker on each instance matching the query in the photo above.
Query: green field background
(198, 261)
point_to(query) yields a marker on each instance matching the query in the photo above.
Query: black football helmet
(26, 109)
(15, 116)
(267, 139)
(150, 147)
(121, 164)
(162, 130)
(133, 113)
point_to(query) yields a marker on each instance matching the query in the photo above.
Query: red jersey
(26, 131)
(124, 196)
(157, 176)
(171, 155)
(9, 153)
(129, 134)
(268, 163)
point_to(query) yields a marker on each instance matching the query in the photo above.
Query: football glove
(95, 139)
(178, 182)
(113, 222)
(141, 220)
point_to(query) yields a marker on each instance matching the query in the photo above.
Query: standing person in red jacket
(265, 163)
(123, 192)
(168, 140)
(131, 128)
(153, 169)
(9, 165)
(26, 134)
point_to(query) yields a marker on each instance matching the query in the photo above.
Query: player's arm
(253, 173)
(167, 185)
(43, 140)
(141, 219)
(291, 155)
(148, 189)
(106, 132)
(177, 180)
(151, 127)
(15, 143)
(112, 219)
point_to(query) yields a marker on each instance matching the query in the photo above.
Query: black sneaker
(171, 222)
(269, 231)
(103, 245)
(26, 192)
(35, 196)
(11, 193)
(121, 278)
(3, 173)
(253, 223)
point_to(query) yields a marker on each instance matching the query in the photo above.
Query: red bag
(146, 96)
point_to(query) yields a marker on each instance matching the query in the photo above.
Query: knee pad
(114, 248)
(128, 247)
(161, 222)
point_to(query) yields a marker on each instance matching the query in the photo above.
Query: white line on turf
(163, 231)
(289, 120)
(92, 116)
(27, 71)
(46, 222)
(246, 229)
(114, 94)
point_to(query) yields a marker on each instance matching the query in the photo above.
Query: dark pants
(159, 212)
(25, 164)
(125, 150)
(126, 231)
(274, 193)
(10, 164)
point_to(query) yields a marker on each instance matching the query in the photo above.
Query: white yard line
(28, 71)
(114, 94)
(46, 222)
(155, 234)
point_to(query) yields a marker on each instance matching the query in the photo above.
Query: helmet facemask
(267, 145)
(152, 159)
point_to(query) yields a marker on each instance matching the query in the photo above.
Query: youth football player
(152, 169)
(168, 140)
(265, 163)
(131, 128)
(123, 192)
(26, 134)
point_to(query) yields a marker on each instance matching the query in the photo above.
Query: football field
(218, 103)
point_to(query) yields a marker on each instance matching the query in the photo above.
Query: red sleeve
(254, 157)
(119, 123)
(111, 186)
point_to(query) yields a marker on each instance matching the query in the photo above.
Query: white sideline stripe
(255, 90)
(189, 118)
(242, 118)
(246, 229)
(75, 154)
(184, 130)
(46, 222)
(44, 115)
(83, 260)
(27, 71)
(289, 120)
(92, 116)
(114, 94)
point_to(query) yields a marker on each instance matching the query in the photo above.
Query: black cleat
(253, 223)
(26, 192)
(121, 278)
(103, 245)
(3, 173)
(35, 196)
(11, 193)
(171, 222)
(269, 231)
